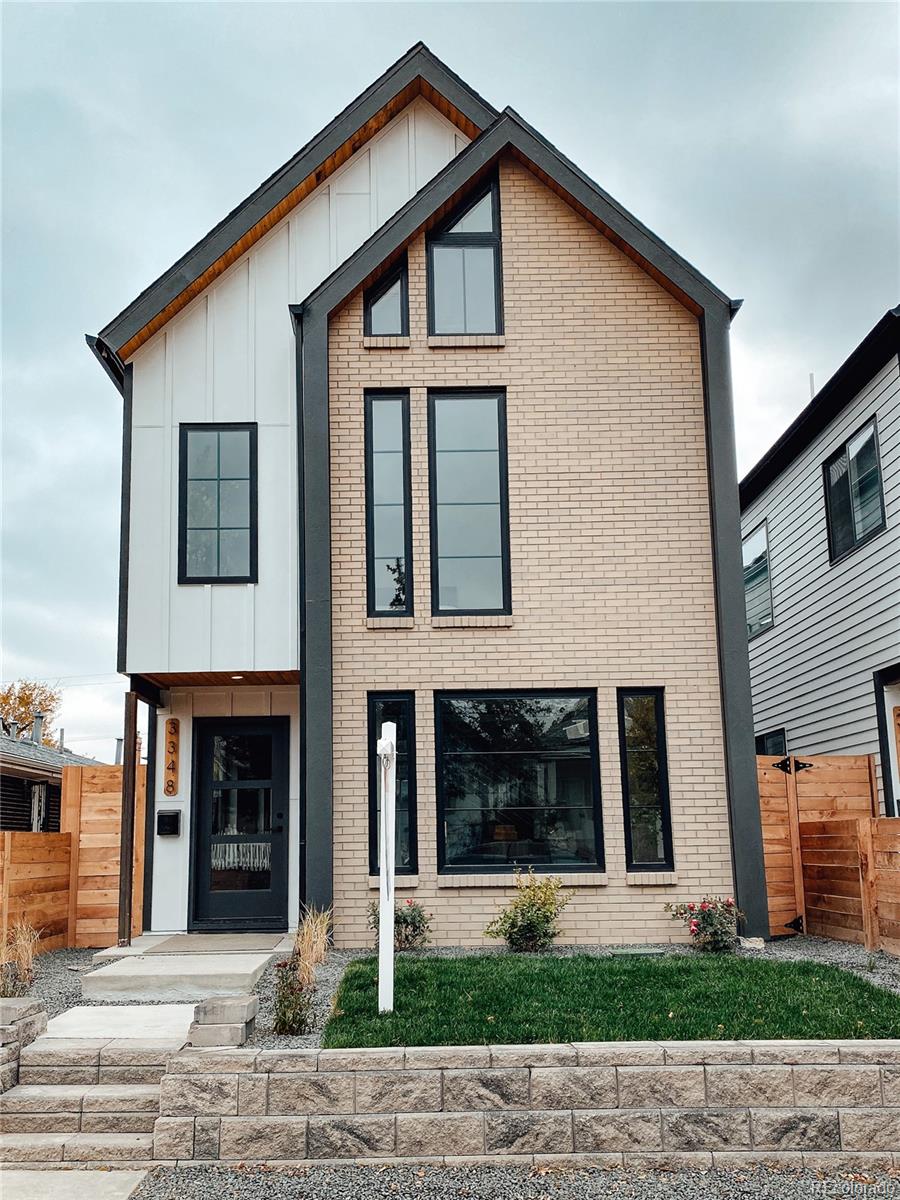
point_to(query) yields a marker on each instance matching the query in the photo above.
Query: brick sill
(400, 882)
(573, 879)
(651, 878)
(450, 341)
(490, 621)
(390, 622)
(385, 343)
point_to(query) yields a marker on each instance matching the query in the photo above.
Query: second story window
(388, 508)
(757, 586)
(217, 504)
(853, 500)
(386, 305)
(464, 273)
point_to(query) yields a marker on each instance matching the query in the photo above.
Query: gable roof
(28, 753)
(416, 73)
(880, 343)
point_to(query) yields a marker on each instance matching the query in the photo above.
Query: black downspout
(149, 817)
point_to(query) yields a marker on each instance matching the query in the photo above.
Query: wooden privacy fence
(34, 885)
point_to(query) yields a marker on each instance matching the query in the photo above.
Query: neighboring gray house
(31, 780)
(821, 534)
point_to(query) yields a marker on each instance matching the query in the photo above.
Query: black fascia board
(881, 343)
(108, 360)
(417, 62)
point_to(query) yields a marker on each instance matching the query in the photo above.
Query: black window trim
(590, 694)
(184, 429)
(408, 698)
(758, 737)
(470, 394)
(441, 237)
(374, 293)
(834, 559)
(662, 756)
(764, 523)
(369, 395)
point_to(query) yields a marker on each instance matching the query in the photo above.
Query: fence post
(70, 823)
(794, 833)
(868, 885)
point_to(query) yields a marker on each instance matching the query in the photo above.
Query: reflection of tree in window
(644, 795)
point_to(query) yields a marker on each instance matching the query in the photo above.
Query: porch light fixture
(237, 677)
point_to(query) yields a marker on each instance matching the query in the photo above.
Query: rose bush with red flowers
(712, 923)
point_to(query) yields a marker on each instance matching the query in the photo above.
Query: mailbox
(168, 823)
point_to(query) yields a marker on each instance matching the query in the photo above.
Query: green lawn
(506, 998)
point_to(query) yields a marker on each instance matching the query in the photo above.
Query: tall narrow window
(217, 504)
(386, 306)
(400, 708)
(853, 496)
(388, 509)
(469, 510)
(645, 779)
(464, 270)
(757, 585)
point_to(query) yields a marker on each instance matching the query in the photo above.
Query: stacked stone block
(224, 1021)
(21, 1021)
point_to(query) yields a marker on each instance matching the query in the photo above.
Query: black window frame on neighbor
(184, 431)
(762, 525)
(667, 863)
(399, 272)
(442, 237)
(761, 739)
(508, 867)
(451, 394)
(373, 395)
(835, 556)
(409, 700)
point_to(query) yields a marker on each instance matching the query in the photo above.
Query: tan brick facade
(612, 576)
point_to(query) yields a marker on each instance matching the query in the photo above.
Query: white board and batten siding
(229, 356)
(835, 624)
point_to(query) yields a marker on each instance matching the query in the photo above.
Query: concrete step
(52, 1061)
(28, 1098)
(108, 1147)
(102, 1108)
(126, 1098)
(118, 1122)
(33, 1147)
(176, 977)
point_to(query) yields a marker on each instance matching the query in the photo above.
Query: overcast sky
(760, 140)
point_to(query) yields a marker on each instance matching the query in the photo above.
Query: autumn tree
(19, 701)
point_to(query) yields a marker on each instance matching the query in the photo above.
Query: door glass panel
(241, 811)
(240, 866)
(242, 756)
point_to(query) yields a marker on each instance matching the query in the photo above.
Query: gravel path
(500, 1183)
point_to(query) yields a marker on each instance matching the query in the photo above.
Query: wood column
(126, 837)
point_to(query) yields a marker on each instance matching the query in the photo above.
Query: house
(31, 779)
(430, 429)
(821, 549)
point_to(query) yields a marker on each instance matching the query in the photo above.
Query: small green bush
(293, 1000)
(712, 922)
(412, 925)
(529, 921)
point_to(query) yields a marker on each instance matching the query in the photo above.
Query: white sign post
(387, 766)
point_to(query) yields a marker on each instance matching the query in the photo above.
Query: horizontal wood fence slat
(34, 885)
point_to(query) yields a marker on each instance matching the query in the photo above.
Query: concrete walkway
(69, 1185)
(143, 1021)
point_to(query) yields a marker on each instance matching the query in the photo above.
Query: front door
(239, 831)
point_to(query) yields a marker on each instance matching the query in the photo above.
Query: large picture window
(217, 504)
(388, 508)
(645, 779)
(464, 270)
(853, 497)
(400, 708)
(469, 518)
(757, 583)
(517, 781)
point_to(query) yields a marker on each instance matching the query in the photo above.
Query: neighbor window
(645, 779)
(757, 586)
(464, 271)
(517, 781)
(217, 504)
(772, 743)
(388, 510)
(398, 707)
(469, 519)
(386, 306)
(853, 499)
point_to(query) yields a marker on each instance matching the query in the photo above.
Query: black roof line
(418, 61)
(879, 344)
(108, 360)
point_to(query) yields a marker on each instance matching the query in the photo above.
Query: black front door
(239, 831)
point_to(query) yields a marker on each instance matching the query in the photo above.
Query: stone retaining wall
(21, 1021)
(641, 1103)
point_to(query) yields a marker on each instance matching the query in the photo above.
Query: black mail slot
(168, 822)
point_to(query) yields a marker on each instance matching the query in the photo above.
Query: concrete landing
(142, 1021)
(70, 1185)
(175, 977)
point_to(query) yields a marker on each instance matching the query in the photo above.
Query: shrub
(311, 943)
(293, 1000)
(412, 925)
(17, 959)
(529, 921)
(711, 922)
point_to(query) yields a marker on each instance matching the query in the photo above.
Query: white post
(387, 766)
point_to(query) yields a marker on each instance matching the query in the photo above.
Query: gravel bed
(489, 1182)
(328, 976)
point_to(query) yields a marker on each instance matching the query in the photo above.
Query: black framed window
(518, 781)
(645, 779)
(400, 708)
(757, 581)
(217, 500)
(469, 503)
(854, 502)
(388, 505)
(465, 270)
(386, 305)
(772, 743)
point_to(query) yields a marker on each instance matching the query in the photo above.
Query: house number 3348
(170, 784)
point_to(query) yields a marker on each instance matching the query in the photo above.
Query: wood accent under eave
(187, 679)
(418, 87)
